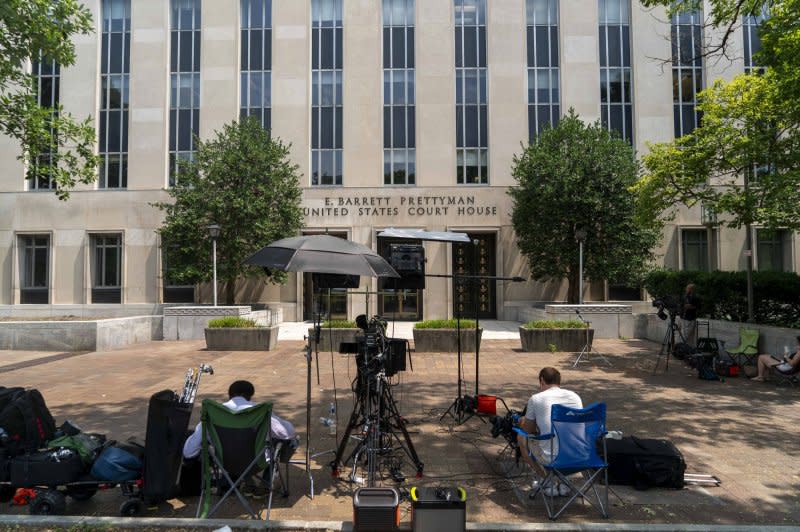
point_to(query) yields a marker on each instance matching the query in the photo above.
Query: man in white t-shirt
(537, 416)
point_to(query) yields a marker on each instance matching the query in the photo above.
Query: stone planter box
(445, 340)
(241, 339)
(334, 337)
(539, 340)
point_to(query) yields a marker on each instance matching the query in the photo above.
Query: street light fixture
(213, 231)
(580, 236)
(708, 217)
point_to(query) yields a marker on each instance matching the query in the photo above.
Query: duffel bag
(116, 465)
(88, 446)
(644, 463)
(46, 468)
(5, 462)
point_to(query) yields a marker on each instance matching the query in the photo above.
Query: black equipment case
(376, 510)
(167, 424)
(45, 468)
(438, 509)
(644, 463)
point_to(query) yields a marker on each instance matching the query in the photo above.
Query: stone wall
(770, 340)
(96, 335)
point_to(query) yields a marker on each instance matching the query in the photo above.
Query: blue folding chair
(575, 436)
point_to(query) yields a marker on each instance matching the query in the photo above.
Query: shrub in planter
(441, 335)
(232, 333)
(335, 332)
(554, 335)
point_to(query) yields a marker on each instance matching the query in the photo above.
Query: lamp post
(213, 230)
(580, 236)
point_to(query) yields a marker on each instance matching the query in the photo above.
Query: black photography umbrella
(322, 254)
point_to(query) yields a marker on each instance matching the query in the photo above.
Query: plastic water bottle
(332, 418)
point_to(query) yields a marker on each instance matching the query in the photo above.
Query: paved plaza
(742, 432)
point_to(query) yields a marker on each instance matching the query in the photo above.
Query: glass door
(469, 259)
(329, 303)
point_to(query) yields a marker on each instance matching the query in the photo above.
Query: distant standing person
(690, 305)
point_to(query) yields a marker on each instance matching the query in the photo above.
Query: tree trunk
(230, 292)
(572, 287)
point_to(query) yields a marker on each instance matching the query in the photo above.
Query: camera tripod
(375, 417)
(668, 344)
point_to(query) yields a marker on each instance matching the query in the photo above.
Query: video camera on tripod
(668, 306)
(374, 350)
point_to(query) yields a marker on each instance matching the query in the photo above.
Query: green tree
(578, 176)
(743, 162)
(242, 180)
(53, 143)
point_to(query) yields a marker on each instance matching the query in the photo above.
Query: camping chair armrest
(533, 436)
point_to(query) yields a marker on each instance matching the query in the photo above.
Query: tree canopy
(53, 143)
(242, 180)
(750, 129)
(579, 176)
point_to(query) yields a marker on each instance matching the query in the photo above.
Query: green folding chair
(235, 446)
(747, 350)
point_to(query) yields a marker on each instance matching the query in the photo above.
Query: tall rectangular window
(770, 244)
(34, 269)
(687, 69)
(694, 243)
(326, 92)
(616, 92)
(256, 60)
(752, 41)
(184, 100)
(47, 76)
(173, 290)
(114, 86)
(472, 137)
(106, 268)
(543, 74)
(399, 135)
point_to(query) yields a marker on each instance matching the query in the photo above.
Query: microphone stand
(587, 347)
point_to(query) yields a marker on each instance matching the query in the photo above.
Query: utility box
(442, 509)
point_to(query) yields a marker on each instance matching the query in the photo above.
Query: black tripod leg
(337, 460)
(400, 424)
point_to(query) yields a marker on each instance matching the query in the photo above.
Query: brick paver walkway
(744, 433)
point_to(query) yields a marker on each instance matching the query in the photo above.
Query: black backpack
(25, 421)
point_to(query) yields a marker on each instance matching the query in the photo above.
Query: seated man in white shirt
(537, 418)
(240, 393)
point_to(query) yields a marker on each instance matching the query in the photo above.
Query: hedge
(723, 295)
(555, 324)
(232, 322)
(445, 324)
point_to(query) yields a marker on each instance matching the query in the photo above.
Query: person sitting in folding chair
(240, 394)
(789, 365)
(537, 418)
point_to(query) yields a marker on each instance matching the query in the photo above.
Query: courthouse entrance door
(465, 259)
(403, 304)
(334, 302)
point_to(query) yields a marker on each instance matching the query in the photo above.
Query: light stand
(587, 347)
(458, 409)
(668, 344)
(213, 231)
(307, 461)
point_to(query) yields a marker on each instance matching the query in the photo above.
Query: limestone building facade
(400, 113)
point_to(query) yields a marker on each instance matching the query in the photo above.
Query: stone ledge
(605, 308)
(207, 310)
